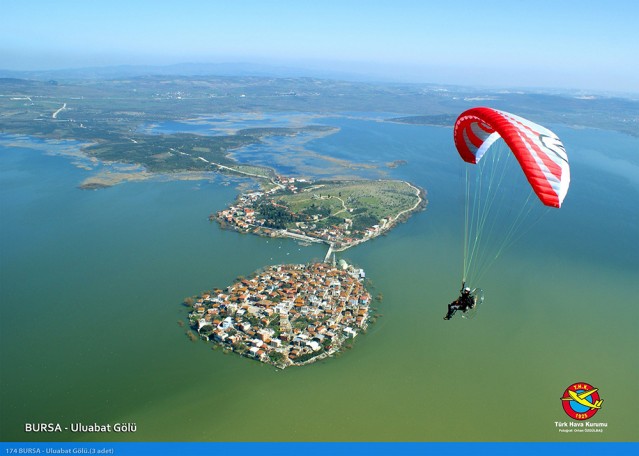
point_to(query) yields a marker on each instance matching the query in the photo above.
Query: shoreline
(402, 216)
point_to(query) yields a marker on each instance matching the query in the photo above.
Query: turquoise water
(92, 283)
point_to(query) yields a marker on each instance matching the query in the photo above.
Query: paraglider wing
(538, 150)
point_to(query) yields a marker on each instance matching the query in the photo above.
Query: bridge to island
(328, 253)
(305, 238)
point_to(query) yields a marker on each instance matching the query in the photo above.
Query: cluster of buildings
(245, 216)
(242, 215)
(287, 314)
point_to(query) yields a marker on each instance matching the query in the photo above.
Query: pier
(328, 254)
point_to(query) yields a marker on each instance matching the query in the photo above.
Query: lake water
(92, 282)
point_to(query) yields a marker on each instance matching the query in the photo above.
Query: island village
(287, 314)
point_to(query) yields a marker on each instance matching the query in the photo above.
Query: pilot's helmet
(466, 290)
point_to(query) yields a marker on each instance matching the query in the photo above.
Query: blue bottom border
(308, 448)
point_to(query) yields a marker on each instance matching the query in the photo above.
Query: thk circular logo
(581, 401)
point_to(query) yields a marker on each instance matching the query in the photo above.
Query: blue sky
(565, 44)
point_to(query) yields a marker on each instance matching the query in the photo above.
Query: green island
(286, 315)
(341, 214)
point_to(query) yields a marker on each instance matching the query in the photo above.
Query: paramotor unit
(467, 303)
(477, 295)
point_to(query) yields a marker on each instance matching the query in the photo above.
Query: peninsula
(339, 213)
(287, 314)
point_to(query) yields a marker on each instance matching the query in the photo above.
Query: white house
(226, 324)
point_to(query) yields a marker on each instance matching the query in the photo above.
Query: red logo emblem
(581, 401)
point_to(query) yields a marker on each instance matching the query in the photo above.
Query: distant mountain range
(247, 86)
(188, 69)
(246, 69)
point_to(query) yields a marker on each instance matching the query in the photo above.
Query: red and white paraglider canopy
(538, 150)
